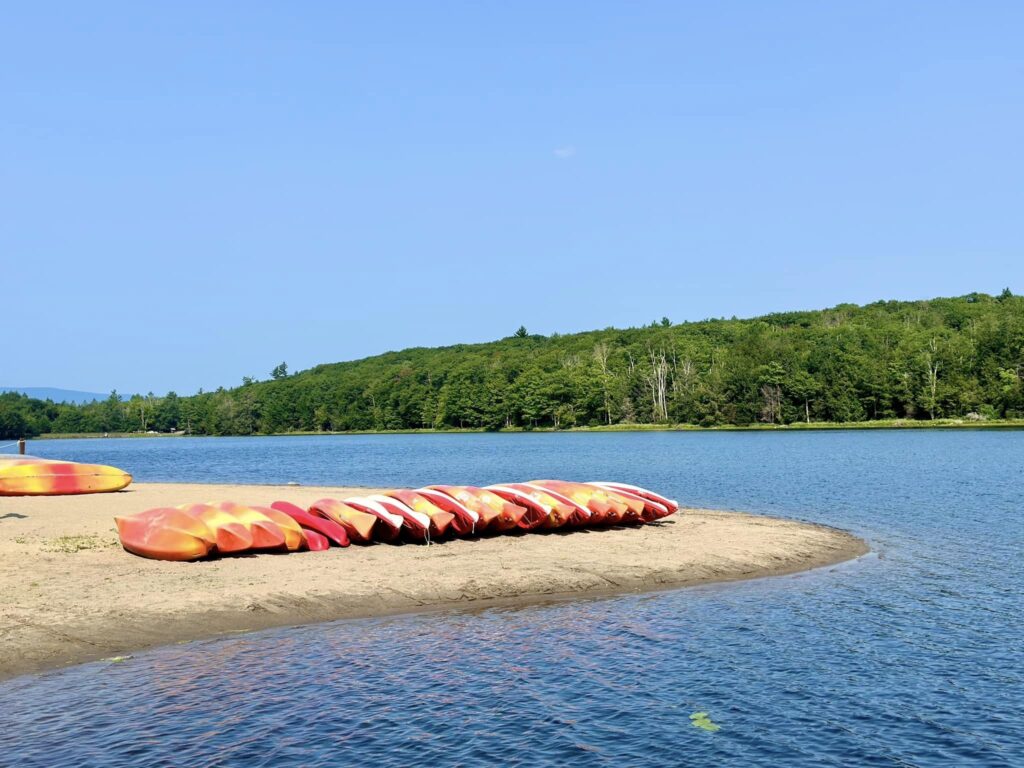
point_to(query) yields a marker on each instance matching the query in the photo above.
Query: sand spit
(70, 594)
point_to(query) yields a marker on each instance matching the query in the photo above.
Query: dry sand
(69, 593)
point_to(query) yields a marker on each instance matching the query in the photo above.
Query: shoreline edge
(72, 595)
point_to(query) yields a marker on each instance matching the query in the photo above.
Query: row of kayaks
(433, 513)
(31, 476)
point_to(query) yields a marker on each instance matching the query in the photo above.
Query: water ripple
(909, 658)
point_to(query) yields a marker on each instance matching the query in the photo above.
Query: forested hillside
(957, 357)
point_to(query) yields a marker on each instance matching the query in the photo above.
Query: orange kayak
(165, 534)
(466, 520)
(496, 514)
(387, 526)
(266, 534)
(231, 535)
(606, 506)
(655, 505)
(557, 511)
(302, 520)
(544, 510)
(294, 539)
(357, 524)
(29, 476)
(440, 521)
(416, 525)
(194, 531)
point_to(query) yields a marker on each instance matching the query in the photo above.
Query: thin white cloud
(564, 153)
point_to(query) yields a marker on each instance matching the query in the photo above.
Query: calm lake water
(912, 655)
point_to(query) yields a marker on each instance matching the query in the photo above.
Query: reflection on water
(911, 656)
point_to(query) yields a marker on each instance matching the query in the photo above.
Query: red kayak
(315, 542)
(232, 535)
(358, 525)
(293, 538)
(466, 520)
(266, 534)
(607, 507)
(416, 526)
(440, 521)
(165, 534)
(543, 510)
(655, 505)
(388, 526)
(334, 532)
(496, 514)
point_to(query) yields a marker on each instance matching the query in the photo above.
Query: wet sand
(70, 594)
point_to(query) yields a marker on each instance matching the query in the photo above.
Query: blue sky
(193, 192)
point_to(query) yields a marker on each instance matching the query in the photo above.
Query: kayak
(466, 520)
(608, 507)
(416, 525)
(635, 505)
(544, 510)
(650, 510)
(30, 476)
(387, 525)
(656, 505)
(165, 534)
(196, 531)
(266, 534)
(440, 521)
(294, 540)
(315, 542)
(302, 519)
(496, 514)
(580, 515)
(358, 525)
(231, 536)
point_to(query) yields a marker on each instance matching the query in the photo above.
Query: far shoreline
(814, 426)
(72, 595)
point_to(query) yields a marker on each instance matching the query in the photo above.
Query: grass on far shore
(795, 426)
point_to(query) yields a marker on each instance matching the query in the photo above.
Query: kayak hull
(41, 477)
(165, 534)
(497, 515)
(440, 520)
(231, 536)
(197, 531)
(334, 532)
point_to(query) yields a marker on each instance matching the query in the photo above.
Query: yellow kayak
(29, 476)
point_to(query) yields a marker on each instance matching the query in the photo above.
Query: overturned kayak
(465, 519)
(386, 528)
(266, 534)
(196, 531)
(358, 524)
(29, 476)
(294, 534)
(316, 542)
(656, 506)
(440, 520)
(496, 514)
(545, 510)
(304, 520)
(606, 506)
(165, 534)
(231, 535)
(416, 525)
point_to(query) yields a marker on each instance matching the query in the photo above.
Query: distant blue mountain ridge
(58, 395)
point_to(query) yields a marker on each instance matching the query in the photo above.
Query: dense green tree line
(957, 357)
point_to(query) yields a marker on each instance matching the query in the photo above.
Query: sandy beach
(70, 594)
